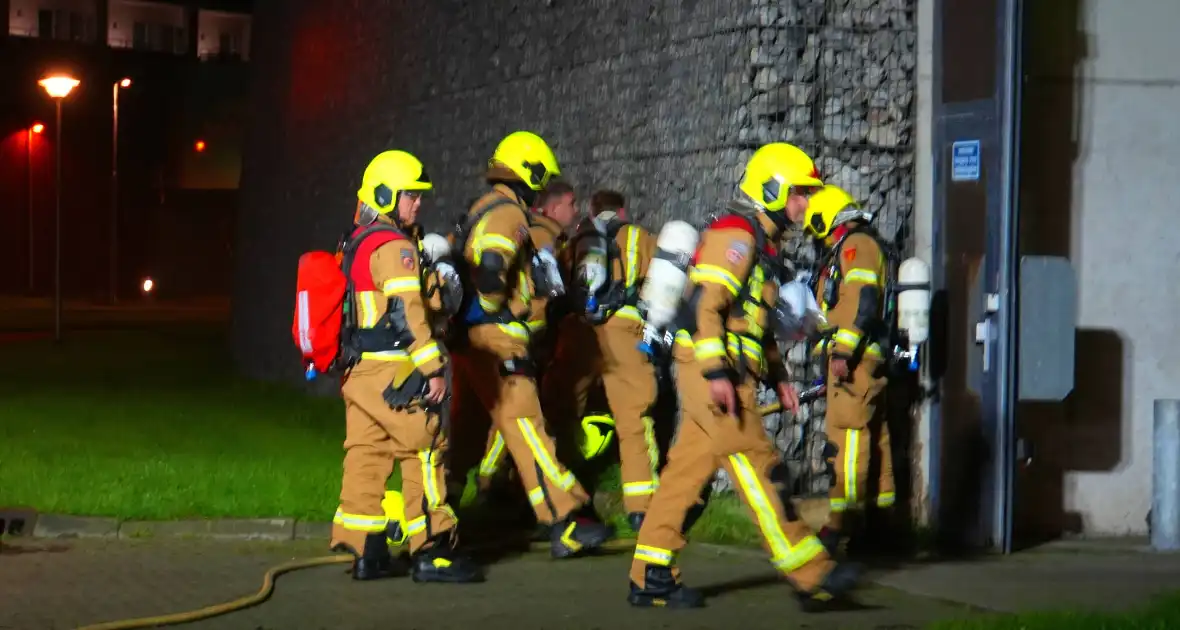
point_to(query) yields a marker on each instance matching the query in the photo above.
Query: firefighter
(395, 343)
(850, 292)
(551, 219)
(496, 361)
(604, 346)
(725, 345)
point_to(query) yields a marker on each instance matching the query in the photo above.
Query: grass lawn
(152, 424)
(1161, 614)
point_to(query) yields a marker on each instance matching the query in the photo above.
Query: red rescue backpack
(325, 320)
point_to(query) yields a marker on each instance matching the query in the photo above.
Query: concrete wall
(23, 18)
(1101, 154)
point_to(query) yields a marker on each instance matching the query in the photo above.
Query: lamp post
(34, 129)
(58, 87)
(114, 255)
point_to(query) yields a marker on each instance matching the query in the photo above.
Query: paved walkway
(53, 584)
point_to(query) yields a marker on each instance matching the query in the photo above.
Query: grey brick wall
(661, 99)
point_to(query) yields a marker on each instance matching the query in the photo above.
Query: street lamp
(58, 87)
(34, 129)
(113, 259)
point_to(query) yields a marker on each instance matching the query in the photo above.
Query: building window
(45, 24)
(139, 35)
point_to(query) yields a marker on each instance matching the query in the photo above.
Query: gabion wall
(663, 100)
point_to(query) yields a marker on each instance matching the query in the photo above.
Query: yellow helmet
(529, 157)
(597, 432)
(388, 175)
(826, 207)
(774, 167)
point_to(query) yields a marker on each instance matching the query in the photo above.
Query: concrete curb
(273, 529)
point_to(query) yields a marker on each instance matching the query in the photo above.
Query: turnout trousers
(512, 401)
(377, 437)
(857, 435)
(706, 440)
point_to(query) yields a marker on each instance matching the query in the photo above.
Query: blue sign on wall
(965, 159)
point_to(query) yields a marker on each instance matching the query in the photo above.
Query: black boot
(439, 562)
(575, 535)
(834, 590)
(376, 562)
(635, 520)
(662, 590)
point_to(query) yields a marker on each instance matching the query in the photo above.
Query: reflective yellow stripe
(846, 337)
(653, 447)
(367, 318)
(784, 556)
(837, 505)
(655, 555)
(495, 241)
(426, 354)
(683, 338)
(715, 275)
(491, 459)
(537, 496)
(873, 349)
(429, 479)
(515, 330)
(709, 348)
(862, 276)
(536, 324)
(632, 255)
(488, 305)
(401, 285)
(416, 526)
(886, 499)
(360, 522)
(639, 488)
(628, 312)
(386, 355)
(522, 284)
(564, 480)
(750, 348)
(851, 449)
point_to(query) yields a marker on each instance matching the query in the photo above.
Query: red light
(199, 146)
(37, 128)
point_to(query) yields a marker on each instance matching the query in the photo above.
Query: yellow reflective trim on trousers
(851, 450)
(491, 459)
(565, 480)
(515, 330)
(709, 348)
(886, 499)
(653, 448)
(784, 556)
(632, 255)
(401, 285)
(715, 275)
(367, 303)
(360, 522)
(429, 480)
(655, 555)
(537, 496)
(425, 354)
(386, 355)
(837, 505)
(416, 526)
(862, 276)
(639, 488)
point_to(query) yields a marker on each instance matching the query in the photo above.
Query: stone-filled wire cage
(663, 100)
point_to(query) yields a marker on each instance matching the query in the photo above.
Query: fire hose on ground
(268, 579)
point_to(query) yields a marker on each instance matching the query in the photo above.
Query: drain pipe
(1165, 481)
